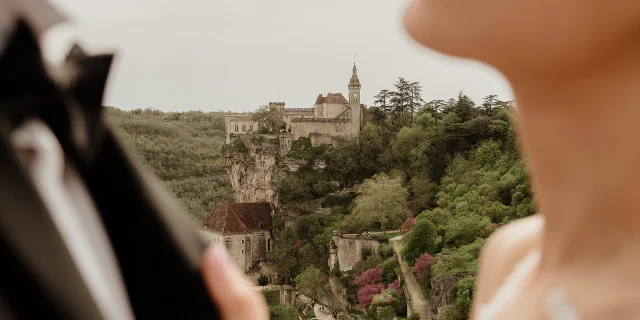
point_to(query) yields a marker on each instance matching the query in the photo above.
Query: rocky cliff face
(253, 166)
(443, 292)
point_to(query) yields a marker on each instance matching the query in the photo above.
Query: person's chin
(435, 31)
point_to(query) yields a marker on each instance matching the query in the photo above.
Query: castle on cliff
(331, 120)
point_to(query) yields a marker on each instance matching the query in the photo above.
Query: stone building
(244, 229)
(333, 118)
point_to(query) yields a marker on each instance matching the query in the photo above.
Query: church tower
(354, 103)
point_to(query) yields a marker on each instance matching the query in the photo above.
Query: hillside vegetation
(183, 149)
(449, 171)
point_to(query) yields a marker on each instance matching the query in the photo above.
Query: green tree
(282, 313)
(269, 118)
(310, 282)
(422, 238)
(464, 107)
(382, 101)
(385, 313)
(464, 294)
(381, 201)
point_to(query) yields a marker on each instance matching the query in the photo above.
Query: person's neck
(580, 139)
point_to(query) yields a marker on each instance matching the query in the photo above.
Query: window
(242, 241)
(242, 250)
(261, 225)
(236, 127)
(250, 127)
(244, 128)
(269, 245)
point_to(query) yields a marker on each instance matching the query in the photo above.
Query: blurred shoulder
(503, 251)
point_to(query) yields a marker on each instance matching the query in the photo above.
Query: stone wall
(318, 139)
(287, 296)
(338, 128)
(239, 124)
(237, 247)
(210, 236)
(263, 268)
(347, 250)
(332, 110)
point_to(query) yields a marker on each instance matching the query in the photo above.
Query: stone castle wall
(318, 139)
(347, 250)
(303, 129)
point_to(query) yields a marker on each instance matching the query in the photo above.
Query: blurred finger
(229, 288)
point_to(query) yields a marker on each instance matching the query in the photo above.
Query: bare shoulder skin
(574, 69)
(502, 252)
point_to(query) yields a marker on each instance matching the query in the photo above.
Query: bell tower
(354, 103)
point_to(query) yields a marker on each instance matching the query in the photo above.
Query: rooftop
(336, 98)
(240, 217)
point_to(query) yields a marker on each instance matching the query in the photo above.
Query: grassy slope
(183, 149)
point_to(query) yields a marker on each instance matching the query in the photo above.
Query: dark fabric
(37, 268)
(156, 244)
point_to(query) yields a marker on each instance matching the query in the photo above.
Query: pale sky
(236, 54)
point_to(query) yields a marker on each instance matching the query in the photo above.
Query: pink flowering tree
(395, 286)
(297, 245)
(367, 293)
(408, 224)
(421, 268)
(371, 276)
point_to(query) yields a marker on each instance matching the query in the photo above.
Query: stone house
(244, 229)
(332, 118)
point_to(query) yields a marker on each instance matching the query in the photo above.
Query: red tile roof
(240, 217)
(337, 98)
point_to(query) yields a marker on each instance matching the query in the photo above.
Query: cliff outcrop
(253, 166)
(443, 292)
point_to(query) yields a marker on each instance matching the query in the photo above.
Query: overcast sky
(236, 54)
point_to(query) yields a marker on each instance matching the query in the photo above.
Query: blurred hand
(231, 292)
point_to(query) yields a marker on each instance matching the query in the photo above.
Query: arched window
(261, 226)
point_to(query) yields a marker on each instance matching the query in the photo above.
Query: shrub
(422, 238)
(408, 224)
(239, 146)
(421, 268)
(336, 269)
(272, 297)
(464, 294)
(282, 313)
(386, 250)
(371, 276)
(263, 280)
(366, 294)
(450, 312)
(395, 286)
(389, 267)
(462, 259)
(385, 313)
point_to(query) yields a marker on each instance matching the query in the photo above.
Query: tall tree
(311, 283)
(464, 107)
(401, 100)
(383, 101)
(381, 201)
(436, 107)
(269, 118)
(415, 101)
(489, 104)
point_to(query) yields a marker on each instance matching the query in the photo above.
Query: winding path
(321, 315)
(418, 303)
